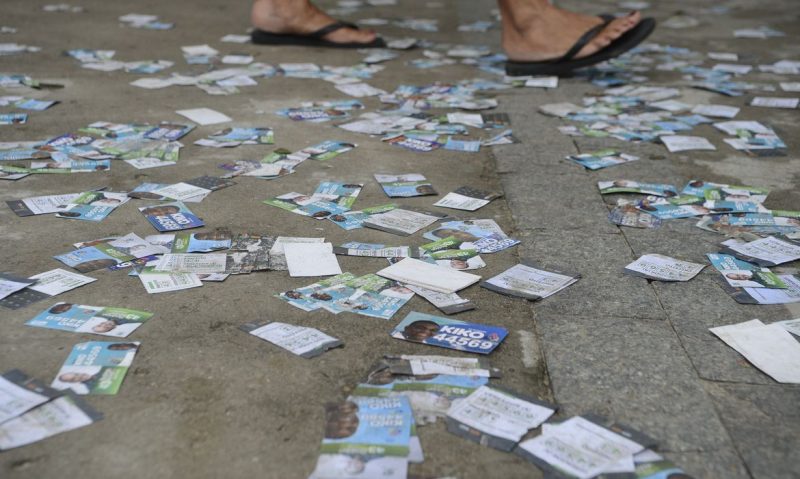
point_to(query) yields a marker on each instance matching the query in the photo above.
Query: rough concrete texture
(205, 400)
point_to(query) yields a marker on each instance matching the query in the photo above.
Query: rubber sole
(627, 41)
(260, 37)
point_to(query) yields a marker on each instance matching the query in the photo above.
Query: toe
(615, 29)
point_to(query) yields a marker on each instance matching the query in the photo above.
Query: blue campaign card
(449, 333)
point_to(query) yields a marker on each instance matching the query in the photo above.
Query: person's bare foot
(548, 33)
(301, 17)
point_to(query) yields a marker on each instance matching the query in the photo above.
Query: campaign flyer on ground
(80, 318)
(405, 185)
(497, 418)
(452, 253)
(92, 205)
(91, 258)
(527, 281)
(628, 215)
(326, 150)
(602, 159)
(467, 199)
(367, 436)
(449, 333)
(663, 268)
(40, 205)
(315, 206)
(10, 284)
(62, 414)
(741, 274)
(20, 393)
(299, 340)
(484, 235)
(368, 295)
(627, 186)
(217, 239)
(403, 222)
(351, 220)
(96, 367)
(769, 251)
(448, 303)
(171, 217)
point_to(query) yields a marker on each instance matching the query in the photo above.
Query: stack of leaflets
(663, 268)
(330, 198)
(403, 222)
(419, 273)
(452, 253)
(368, 295)
(527, 281)
(30, 411)
(96, 367)
(485, 236)
(769, 251)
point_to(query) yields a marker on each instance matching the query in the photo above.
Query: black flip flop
(313, 39)
(565, 65)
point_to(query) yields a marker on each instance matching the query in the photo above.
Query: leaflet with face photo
(663, 268)
(578, 447)
(741, 274)
(214, 240)
(80, 318)
(315, 206)
(403, 222)
(326, 150)
(451, 253)
(449, 333)
(40, 205)
(770, 348)
(57, 281)
(10, 284)
(311, 259)
(367, 436)
(343, 194)
(62, 414)
(527, 281)
(351, 220)
(447, 303)
(96, 367)
(430, 276)
(768, 295)
(416, 365)
(627, 186)
(192, 263)
(162, 282)
(299, 340)
(92, 206)
(405, 185)
(368, 295)
(137, 247)
(665, 210)
(602, 159)
(413, 143)
(20, 393)
(497, 418)
(629, 215)
(91, 258)
(171, 217)
(769, 251)
(309, 298)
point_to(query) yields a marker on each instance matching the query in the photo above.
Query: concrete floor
(205, 400)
